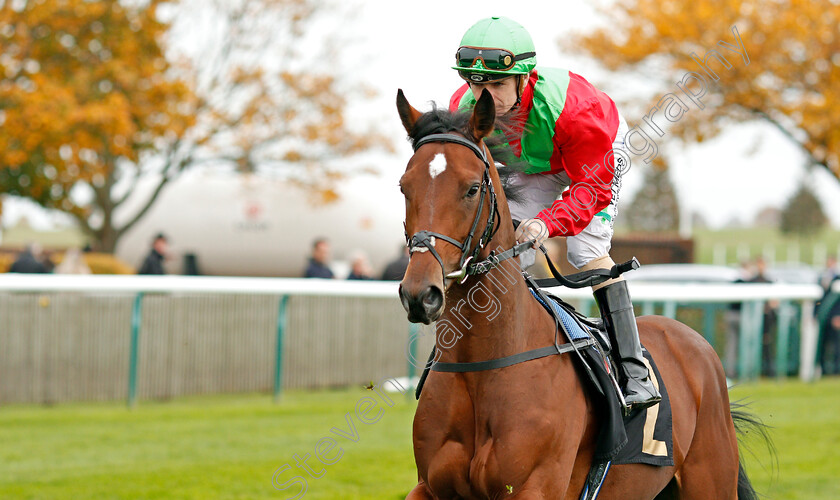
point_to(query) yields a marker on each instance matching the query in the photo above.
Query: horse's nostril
(423, 307)
(404, 298)
(432, 299)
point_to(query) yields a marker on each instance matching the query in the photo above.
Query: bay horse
(527, 431)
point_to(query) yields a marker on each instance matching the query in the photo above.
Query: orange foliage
(792, 79)
(83, 85)
(88, 97)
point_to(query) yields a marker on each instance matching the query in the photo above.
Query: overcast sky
(395, 44)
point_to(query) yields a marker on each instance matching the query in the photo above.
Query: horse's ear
(408, 114)
(483, 117)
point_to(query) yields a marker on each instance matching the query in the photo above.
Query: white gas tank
(248, 225)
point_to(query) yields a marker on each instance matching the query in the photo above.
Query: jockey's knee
(602, 262)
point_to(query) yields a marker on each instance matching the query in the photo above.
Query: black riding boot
(617, 311)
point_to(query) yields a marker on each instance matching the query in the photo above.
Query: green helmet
(495, 48)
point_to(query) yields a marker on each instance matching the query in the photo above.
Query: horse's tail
(746, 422)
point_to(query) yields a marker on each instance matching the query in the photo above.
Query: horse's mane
(441, 121)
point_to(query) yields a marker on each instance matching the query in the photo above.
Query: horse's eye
(473, 190)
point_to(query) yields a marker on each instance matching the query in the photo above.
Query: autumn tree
(777, 61)
(96, 98)
(803, 214)
(654, 207)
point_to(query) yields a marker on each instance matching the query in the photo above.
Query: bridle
(424, 241)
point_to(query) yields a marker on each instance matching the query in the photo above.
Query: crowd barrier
(72, 338)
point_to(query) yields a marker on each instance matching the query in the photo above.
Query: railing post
(808, 341)
(758, 338)
(413, 329)
(783, 339)
(278, 357)
(647, 308)
(709, 313)
(743, 342)
(670, 309)
(136, 316)
(750, 338)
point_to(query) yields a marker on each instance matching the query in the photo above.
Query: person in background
(771, 307)
(733, 324)
(395, 270)
(830, 274)
(827, 311)
(318, 262)
(360, 269)
(46, 260)
(153, 264)
(72, 263)
(191, 265)
(29, 261)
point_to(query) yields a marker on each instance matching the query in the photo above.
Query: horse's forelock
(438, 121)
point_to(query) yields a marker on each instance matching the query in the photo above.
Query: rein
(424, 241)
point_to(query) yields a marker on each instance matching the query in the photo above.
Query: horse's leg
(420, 492)
(671, 492)
(539, 487)
(705, 446)
(635, 482)
(710, 468)
(528, 495)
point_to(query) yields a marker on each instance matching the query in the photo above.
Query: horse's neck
(491, 316)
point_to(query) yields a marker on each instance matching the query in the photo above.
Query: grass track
(229, 446)
(209, 447)
(804, 421)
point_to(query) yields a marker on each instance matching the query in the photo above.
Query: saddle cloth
(642, 437)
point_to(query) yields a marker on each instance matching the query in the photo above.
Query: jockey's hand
(532, 229)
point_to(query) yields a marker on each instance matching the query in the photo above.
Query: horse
(528, 430)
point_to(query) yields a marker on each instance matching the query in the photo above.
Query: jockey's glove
(532, 229)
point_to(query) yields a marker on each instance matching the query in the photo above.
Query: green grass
(804, 421)
(209, 447)
(230, 446)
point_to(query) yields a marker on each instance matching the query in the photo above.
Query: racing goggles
(492, 59)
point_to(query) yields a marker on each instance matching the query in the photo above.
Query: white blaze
(437, 165)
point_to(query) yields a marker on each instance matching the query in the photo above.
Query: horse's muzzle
(425, 306)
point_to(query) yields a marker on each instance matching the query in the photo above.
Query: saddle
(642, 436)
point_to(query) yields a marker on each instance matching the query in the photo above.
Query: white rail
(644, 293)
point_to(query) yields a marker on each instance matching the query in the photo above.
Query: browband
(457, 139)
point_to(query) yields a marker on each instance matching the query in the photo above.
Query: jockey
(571, 136)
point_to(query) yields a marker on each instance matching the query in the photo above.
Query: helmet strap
(518, 90)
